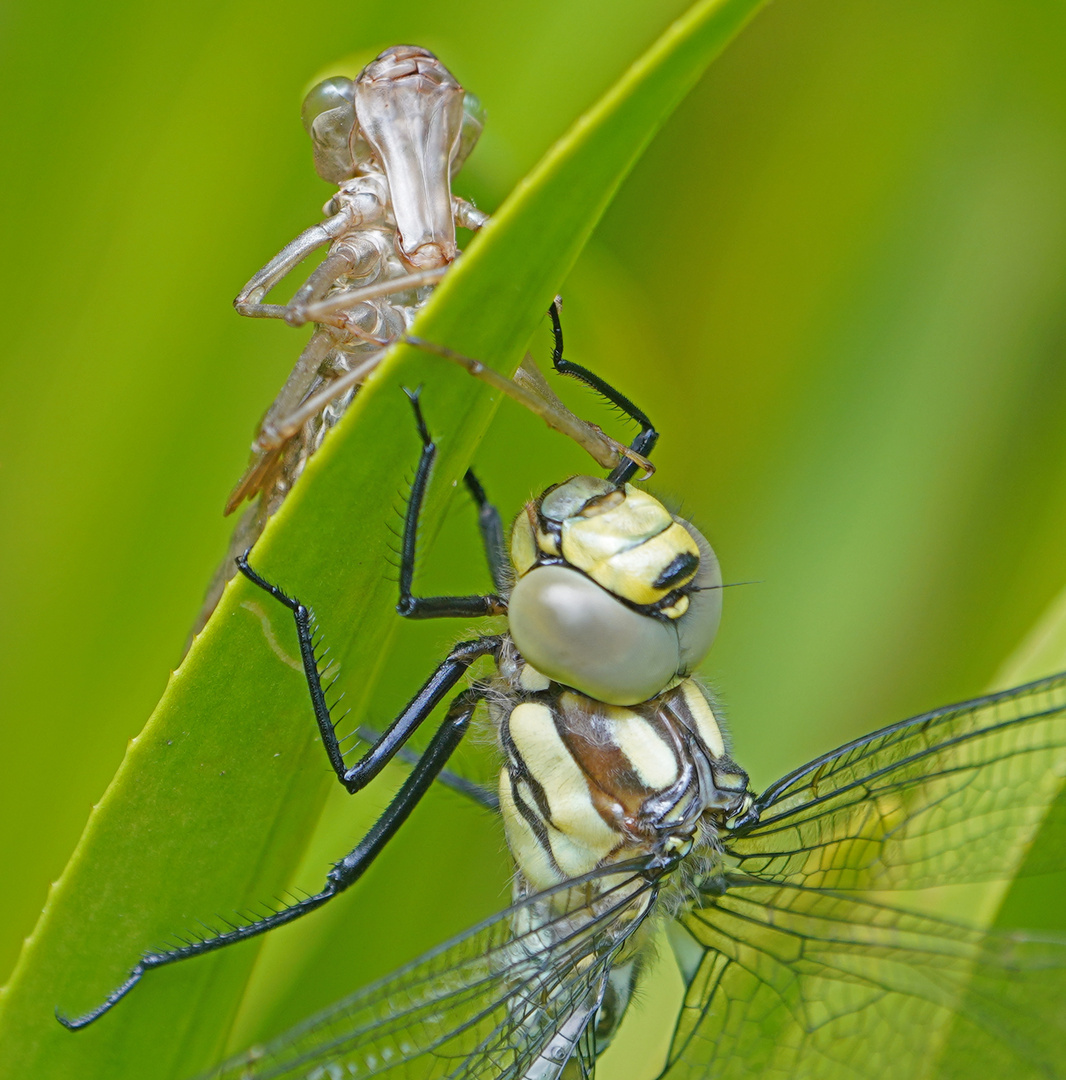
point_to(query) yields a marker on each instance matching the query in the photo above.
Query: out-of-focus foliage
(836, 281)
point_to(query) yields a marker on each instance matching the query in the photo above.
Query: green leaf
(1041, 653)
(215, 799)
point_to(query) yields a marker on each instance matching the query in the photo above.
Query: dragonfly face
(614, 595)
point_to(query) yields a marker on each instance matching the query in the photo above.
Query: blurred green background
(836, 281)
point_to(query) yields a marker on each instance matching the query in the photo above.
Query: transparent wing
(951, 796)
(800, 983)
(511, 998)
(815, 954)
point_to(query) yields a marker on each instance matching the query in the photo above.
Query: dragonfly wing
(582, 1066)
(817, 954)
(801, 984)
(497, 1003)
(953, 796)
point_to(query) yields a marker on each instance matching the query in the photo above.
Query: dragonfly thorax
(587, 784)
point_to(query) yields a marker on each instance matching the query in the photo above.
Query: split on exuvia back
(624, 808)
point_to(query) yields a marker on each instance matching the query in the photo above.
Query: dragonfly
(797, 915)
(797, 962)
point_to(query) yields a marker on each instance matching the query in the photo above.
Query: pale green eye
(580, 635)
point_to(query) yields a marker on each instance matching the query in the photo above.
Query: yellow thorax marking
(579, 837)
(703, 717)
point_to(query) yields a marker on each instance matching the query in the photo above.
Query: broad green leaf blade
(1033, 900)
(213, 802)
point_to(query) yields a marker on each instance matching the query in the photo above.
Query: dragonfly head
(615, 596)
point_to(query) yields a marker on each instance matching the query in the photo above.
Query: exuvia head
(615, 596)
(406, 115)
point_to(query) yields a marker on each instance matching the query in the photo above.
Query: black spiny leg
(645, 442)
(491, 527)
(437, 607)
(344, 873)
(450, 671)
(428, 767)
(484, 797)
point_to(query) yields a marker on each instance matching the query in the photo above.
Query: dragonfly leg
(345, 257)
(645, 442)
(529, 389)
(312, 385)
(300, 380)
(330, 309)
(283, 427)
(467, 215)
(417, 710)
(249, 300)
(358, 256)
(491, 527)
(344, 873)
(352, 252)
(485, 797)
(436, 607)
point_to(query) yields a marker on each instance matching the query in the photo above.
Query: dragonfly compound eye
(698, 624)
(580, 635)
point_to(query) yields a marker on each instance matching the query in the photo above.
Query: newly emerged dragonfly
(804, 919)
